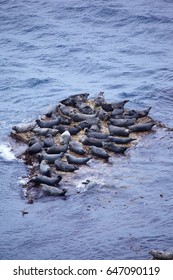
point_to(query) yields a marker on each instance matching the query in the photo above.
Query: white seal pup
(65, 137)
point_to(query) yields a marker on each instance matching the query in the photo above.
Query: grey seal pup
(77, 160)
(65, 167)
(65, 137)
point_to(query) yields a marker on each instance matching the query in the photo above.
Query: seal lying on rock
(73, 99)
(57, 149)
(51, 181)
(65, 167)
(45, 168)
(49, 190)
(76, 160)
(141, 127)
(118, 131)
(48, 124)
(50, 158)
(24, 127)
(76, 147)
(99, 152)
(35, 148)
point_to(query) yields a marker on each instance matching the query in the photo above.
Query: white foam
(6, 152)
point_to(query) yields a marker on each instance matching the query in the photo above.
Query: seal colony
(73, 133)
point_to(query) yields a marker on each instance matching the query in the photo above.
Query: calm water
(55, 48)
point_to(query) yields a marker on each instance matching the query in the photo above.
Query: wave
(6, 152)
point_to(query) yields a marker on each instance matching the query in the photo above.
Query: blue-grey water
(51, 49)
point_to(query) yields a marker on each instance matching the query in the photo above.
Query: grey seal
(78, 117)
(116, 112)
(119, 140)
(141, 127)
(44, 168)
(65, 167)
(35, 148)
(49, 190)
(48, 124)
(89, 123)
(77, 160)
(98, 135)
(118, 131)
(57, 149)
(113, 148)
(160, 255)
(89, 141)
(99, 152)
(45, 131)
(50, 158)
(73, 99)
(51, 181)
(24, 127)
(99, 100)
(48, 141)
(84, 108)
(122, 122)
(76, 147)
